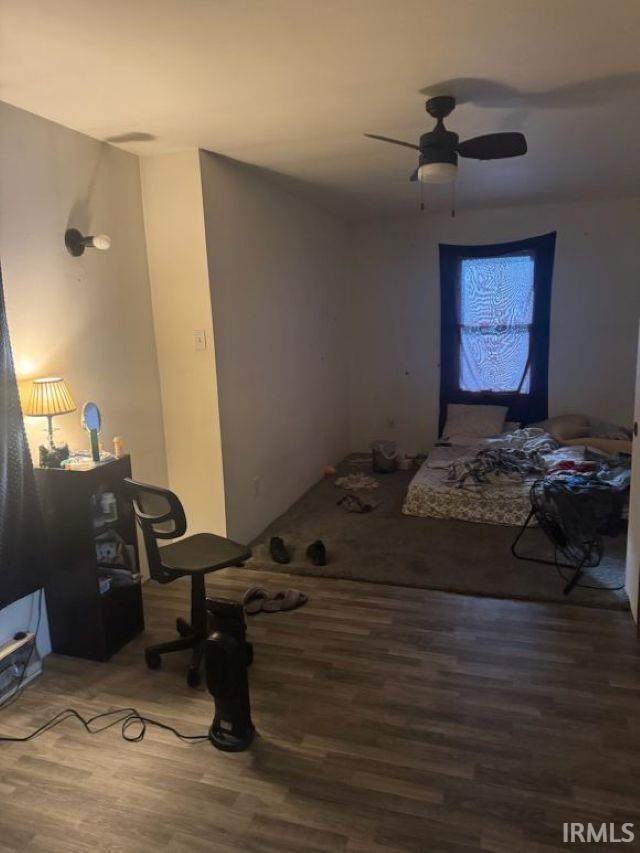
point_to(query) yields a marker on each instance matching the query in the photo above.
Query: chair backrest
(160, 516)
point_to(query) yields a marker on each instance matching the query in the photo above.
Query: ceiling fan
(439, 148)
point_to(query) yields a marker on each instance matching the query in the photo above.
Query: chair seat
(202, 552)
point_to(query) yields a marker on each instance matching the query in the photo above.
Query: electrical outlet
(200, 339)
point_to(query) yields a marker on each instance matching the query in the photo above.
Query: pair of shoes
(316, 552)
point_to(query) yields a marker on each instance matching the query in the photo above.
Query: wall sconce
(76, 243)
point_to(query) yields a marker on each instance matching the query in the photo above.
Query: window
(495, 316)
(495, 325)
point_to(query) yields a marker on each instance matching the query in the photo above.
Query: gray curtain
(21, 535)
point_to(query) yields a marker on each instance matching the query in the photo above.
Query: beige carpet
(388, 547)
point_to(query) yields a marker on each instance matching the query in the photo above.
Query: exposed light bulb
(101, 241)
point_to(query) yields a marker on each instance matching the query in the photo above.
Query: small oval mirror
(91, 417)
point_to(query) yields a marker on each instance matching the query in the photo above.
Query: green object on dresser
(95, 446)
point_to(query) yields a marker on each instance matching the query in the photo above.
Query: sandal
(253, 599)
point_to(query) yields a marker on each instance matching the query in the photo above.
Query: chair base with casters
(192, 635)
(161, 516)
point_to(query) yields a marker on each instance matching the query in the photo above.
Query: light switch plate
(200, 339)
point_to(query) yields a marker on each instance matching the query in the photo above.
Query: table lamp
(49, 397)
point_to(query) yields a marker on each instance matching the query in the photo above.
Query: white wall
(22, 615)
(174, 222)
(278, 278)
(395, 312)
(87, 319)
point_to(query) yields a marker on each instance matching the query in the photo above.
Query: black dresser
(92, 579)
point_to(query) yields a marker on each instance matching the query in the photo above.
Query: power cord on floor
(127, 717)
(133, 725)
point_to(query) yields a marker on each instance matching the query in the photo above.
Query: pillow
(606, 429)
(474, 421)
(462, 440)
(606, 445)
(565, 427)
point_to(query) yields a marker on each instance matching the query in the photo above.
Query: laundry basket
(384, 456)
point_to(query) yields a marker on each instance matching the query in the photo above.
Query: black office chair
(161, 516)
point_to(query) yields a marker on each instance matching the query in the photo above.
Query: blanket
(513, 457)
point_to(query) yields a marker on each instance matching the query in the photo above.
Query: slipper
(254, 598)
(287, 599)
(354, 503)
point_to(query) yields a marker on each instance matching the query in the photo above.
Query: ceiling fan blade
(414, 176)
(493, 146)
(394, 141)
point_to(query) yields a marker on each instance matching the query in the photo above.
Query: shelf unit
(88, 617)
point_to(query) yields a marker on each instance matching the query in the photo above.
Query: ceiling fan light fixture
(440, 148)
(437, 173)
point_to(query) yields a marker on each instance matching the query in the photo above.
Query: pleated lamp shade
(49, 397)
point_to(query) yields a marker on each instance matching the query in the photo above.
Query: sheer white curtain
(495, 315)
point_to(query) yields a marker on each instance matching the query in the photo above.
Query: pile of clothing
(532, 452)
(518, 455)
(352, 484)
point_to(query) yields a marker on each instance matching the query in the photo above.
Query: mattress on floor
(430, 495)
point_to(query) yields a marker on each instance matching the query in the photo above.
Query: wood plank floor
(390, 719)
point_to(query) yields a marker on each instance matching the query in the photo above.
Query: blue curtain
(495, 313)
(21, 532)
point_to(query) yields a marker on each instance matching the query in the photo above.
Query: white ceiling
(291, 85)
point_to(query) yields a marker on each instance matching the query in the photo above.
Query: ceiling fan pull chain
(421, 195)
(453, 200)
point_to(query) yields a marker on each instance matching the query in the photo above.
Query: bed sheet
(502, 501)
